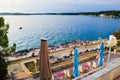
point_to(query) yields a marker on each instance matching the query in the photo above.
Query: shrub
(30, 66)
(3, 69)
(118, 43)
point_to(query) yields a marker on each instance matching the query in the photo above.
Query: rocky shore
(34, 51)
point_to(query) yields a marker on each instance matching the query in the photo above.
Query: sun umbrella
(75, 72)
(45, 72)
(100, 63)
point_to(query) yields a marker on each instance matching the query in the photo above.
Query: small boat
(20, 27)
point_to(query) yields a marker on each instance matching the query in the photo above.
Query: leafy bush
(118, 43)
(5, 50)
(3, 69)
(30, 66)
(117, 34)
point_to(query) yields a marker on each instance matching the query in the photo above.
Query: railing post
(108, 59)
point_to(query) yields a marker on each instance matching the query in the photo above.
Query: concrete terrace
(110, 72)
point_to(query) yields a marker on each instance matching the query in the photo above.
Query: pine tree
(5, 50)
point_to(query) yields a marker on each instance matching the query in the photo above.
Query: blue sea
(57, 29)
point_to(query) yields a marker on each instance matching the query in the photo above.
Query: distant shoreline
(110, 14)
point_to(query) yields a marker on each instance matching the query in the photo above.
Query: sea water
(57, 29)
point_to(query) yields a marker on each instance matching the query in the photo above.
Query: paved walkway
(66, 52)
(57, 53)
(16, 71)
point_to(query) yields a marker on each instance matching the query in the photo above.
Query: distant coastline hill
(111, 13)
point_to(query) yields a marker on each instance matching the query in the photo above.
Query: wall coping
(111, 66)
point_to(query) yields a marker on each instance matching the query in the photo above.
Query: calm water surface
(57, 29)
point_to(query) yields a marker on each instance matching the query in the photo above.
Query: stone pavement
(16, 71)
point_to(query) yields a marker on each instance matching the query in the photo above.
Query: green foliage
(3, 69)
(5, 50)
(114, 13)
(30, 66)
(3, 33)
(117, 34)
(2, 22)
(118, 43)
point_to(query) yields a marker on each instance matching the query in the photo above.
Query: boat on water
(20, 27)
